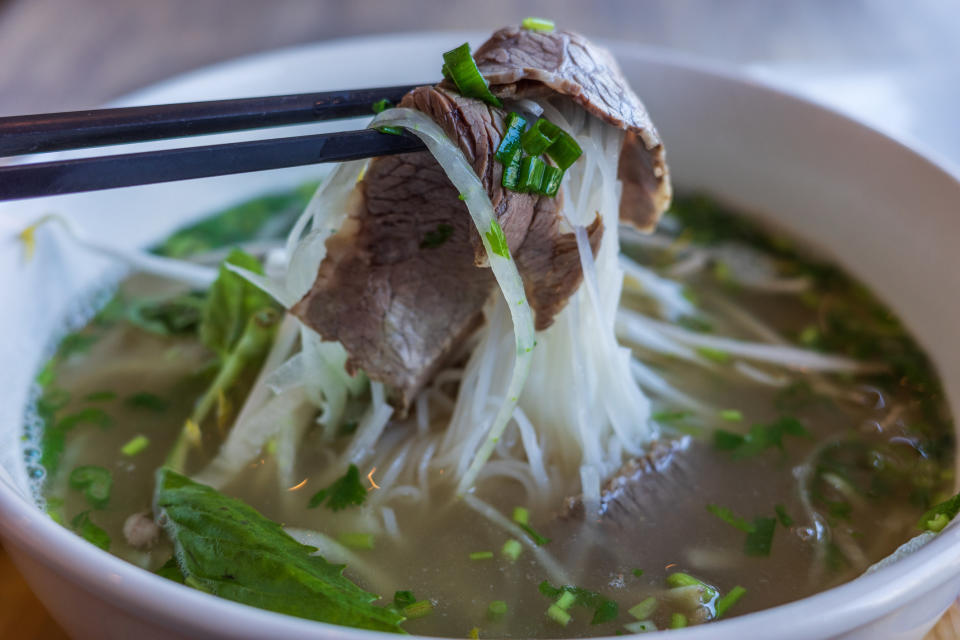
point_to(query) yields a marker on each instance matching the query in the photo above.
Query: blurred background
(892, 63)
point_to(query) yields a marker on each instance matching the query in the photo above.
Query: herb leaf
(344, 492)
(760, 437)
(782, 515)
(251, 560)
(230, 304)
(437, 237)
(940, 515)
(148, 401)
(178, 315)
(498, 241)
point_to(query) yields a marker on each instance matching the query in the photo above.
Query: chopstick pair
(73, 130)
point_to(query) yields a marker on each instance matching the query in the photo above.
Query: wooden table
(58, 55)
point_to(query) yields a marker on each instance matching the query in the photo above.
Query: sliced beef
(642, 486)
(520, 63)
(402, 284)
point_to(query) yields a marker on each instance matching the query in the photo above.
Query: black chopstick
(125, 170)
(78, 129)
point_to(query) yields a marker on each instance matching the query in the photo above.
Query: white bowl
(886, 213)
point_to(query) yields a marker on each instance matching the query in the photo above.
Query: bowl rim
(169, 604)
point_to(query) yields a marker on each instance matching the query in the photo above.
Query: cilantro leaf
(225, 547)
(498, 241)
(760, 437)
(230, 304)
(344, 492)
(177, 315)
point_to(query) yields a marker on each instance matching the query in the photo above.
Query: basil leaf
(230, 304)
(226, 548)
(342, 493)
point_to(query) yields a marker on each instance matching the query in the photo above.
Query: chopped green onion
(531, 174)
(135, 445)
(728, 516)
(558, 615)
(95, 482)
(937, 523)
(403, 597)
(417, 609)
(538, 24)
(637, 572)
(643, 609)
(678, 621)
(564, 150)
(731, 415)
(760, 540)
(521, 515)
(100, 396)
(680, 579)
(381, 105)
(552, 177)
(511, 171)
(938, 516)
(538, 539)
(475, 633)
(727, 601)
(640, 626)
(481, 555)
(783, 516)
(459, 66)
(809, 336)
(513, 130)
(566, 600)
(539, 137)
(356, 540)
(714, 355)
(496, 610)
(511, 550)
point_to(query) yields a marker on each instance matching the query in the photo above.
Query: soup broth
(782, 481)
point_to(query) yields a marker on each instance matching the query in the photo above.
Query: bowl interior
(881, 211)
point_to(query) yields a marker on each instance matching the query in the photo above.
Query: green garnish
(381, 105)
(511, 550)
(566, 600)
(231, 302)
(938, 516)
(539, 137)
(179, 315)
(604, 609)
(558, 615)
(714, 355)
(680, 579)
(640, 626)
(760, 437)
(459, 66)
(356, 540)
(342, 493)
(510, 144)
(135, 445)
(148, 401)
(481, 555)
(552, 177)
(170, 571)
(678, 621)
(731, 415)
(496, 610)
(564, 150)
(637, 572)
(89, 531)
(437, 237)
(538, 24)
(760, 540)
(75, 343)
(730, 518)
(90, 415)
(418, 609)
(782, 515)
(498, 241)
(538, 539)
(95, 482)
(253, 561)
(727, 601)
(643, 609)
(521, 515)
(531, 174)
(668, 417)
(511, 171)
